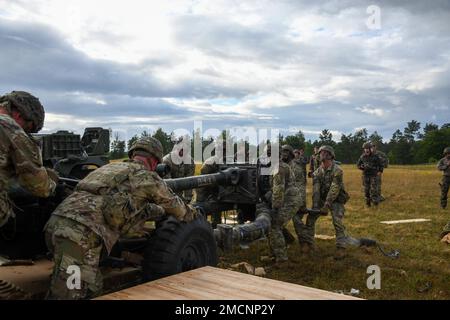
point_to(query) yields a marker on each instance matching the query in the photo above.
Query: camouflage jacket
(314, 162)
(328, 186)
(179, 170)
(117, 199)
(383, 157)
(20, 162)
(283, 185)
(444, 165)
(298, 166)
(370, 165)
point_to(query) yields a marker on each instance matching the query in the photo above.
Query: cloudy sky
(309, 65)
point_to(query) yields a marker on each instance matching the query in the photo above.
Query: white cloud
(372, 111)
(312, 65)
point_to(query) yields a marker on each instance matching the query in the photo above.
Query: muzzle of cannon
(228, 177)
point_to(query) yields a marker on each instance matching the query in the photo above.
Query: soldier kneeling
(113, 201)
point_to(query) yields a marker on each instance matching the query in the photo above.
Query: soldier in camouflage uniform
(207, 196)
(314, 162)
(298, 166)
(285, 203)
(302, 162)
(20, 157)
(181, 165)
(371, 166)
(444, 166)
(329, 194)
(112, 202)
(385, 163)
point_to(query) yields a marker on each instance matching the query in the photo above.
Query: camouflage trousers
(445, 184)
(280, 219)
(6, 210)
(301, 229)
(371, 189)
(207, 198)
(74, 247)
(343, 239)
(305, 230)
(379, 181)
(446, 230)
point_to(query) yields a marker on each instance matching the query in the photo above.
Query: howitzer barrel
(226, 177)
(228, 236)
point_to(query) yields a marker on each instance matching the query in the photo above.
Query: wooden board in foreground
(210, 283)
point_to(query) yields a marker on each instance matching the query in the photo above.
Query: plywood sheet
(210, 283)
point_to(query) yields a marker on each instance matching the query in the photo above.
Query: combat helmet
(367, 145)
(328, 149)
(446, 151)
(288, 148)
(28, 106)
(150, 145)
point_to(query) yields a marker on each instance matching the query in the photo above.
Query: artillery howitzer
(169, 247)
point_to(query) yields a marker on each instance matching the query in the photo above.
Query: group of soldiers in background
(115, 200)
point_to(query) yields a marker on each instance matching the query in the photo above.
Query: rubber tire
(177, 246)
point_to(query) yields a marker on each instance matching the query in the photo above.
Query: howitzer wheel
(176, 247)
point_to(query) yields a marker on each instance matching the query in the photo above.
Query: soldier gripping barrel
(112, 202)
(20, 157)
(330, 195)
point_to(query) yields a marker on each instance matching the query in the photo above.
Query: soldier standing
(372, 167)
(285, 203)
(301, 160)
(314, 162)
(113, 201)
(207, 196)
(181, 165)
(20, 157)
(298, 166)
(385, 164)
(444, 166)
(329, 194)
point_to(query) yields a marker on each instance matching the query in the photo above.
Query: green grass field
(410, 192)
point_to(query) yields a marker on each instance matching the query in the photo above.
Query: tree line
(412, 145)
